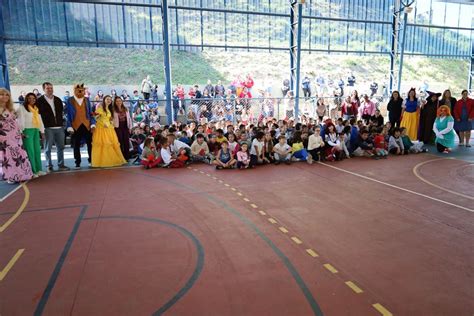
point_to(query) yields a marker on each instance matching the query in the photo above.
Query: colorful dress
(106, 150)
(446, 130)
(410, 119)
(14, 160)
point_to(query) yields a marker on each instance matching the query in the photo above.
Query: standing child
(14, 161)
(225, 158)
(395, 143)
(150, 157)
(243, 159)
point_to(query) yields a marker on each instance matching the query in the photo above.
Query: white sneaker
(41, 173)
(35, 176)
(309, 159)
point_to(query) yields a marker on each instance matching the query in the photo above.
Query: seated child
(243, 158)
(169, 158)
(395, 143)
(363, 147)
(343, 141)
(282, 151)
(225, 158)
(380, 144)
(200, 150)
(268, 148)
(411, 147)
(233, 144)
(256, 151)
(150, 157)
(316, 144)
(213, 145)
(299, 152)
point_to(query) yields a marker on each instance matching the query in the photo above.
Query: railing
(235, 110)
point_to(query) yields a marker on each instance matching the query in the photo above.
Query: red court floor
(358, 237)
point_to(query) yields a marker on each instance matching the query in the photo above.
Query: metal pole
(298, 60)
(471, 68)
(402, 49)
(292, 44)
(393, 50)
(166, 61)
(4, 79)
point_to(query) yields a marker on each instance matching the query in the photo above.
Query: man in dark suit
(51, 110)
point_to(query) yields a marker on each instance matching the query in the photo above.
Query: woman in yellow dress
(105, 145)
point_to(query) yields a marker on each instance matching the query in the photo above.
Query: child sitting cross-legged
(150, 157)
(256, 152)
(200, 150)
(225, 158)
(282, 151)
(243, 158)
(411, 147)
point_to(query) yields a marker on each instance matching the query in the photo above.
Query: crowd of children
(270, 142)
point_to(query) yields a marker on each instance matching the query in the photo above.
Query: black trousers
(81, 133)
(440, 147)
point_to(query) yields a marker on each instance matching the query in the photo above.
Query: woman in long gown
(123, 126)
(410, 114)
(106, 150)
(427, 118)
(15, 166)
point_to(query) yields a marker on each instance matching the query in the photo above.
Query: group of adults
(438, 118)
(107, 128)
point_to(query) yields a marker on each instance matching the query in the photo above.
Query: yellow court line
(382, 310)
(296, 240)
(22, 207)
(253, 205)
(233, 189)
(354, 287)
(207, 174)
(214, 178)
(239, 194)
(10, 264)
(262, 213)
(227, 185)
(417, 174)
(189, 168)
(201, 172)
(283, 230)
(312, 253)
(195, 169)
(246, 200)
(398, 188)
(271, 220)
(220, 181)
(330, 268)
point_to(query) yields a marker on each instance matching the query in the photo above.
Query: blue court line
(291, 268)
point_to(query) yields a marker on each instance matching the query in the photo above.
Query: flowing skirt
(14, 163)
(106, 150)
(411, 122)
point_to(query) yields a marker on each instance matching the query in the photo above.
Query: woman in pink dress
(13, 158)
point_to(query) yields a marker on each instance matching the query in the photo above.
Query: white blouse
(25, 119)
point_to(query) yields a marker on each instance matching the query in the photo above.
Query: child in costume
(443, 127)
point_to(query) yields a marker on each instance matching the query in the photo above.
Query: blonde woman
(15, 166)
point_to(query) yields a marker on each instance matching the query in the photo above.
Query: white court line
(399, 188)
(11, 192)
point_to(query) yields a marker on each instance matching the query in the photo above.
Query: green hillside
(32, 65)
